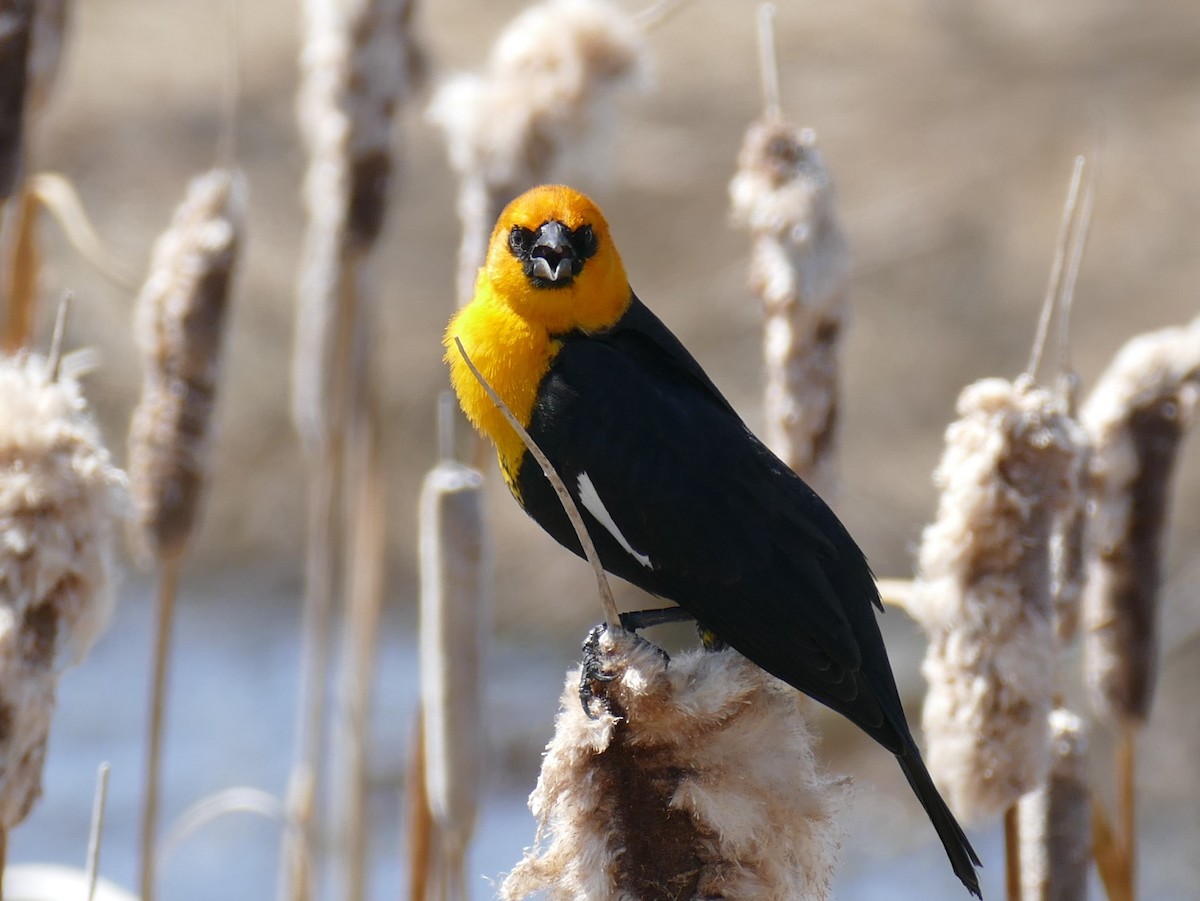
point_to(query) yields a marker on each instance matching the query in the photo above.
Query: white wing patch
(592, 503)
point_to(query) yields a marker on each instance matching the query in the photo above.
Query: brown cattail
(60, 500)
(1068, 544)
(546, 91)
(1056, 832)
(983, 594)
(455, 621)
(799, 268)
(697, 779)
(1136, 416)
(359, 61)
(179, 323)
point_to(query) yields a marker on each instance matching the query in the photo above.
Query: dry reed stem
(982, 595)
(96, 830)
(417, 818)
(1137, 416)
(1012, 854)
(799, 268)
(57, 195)
(23, 269)
(1109, 855)
(698, 779)
(1056, 832)
(366, 553)
(546, 93)
(455, 620)
(60, 501)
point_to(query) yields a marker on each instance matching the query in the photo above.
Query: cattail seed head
(546, 92)
(60, 500)
(16, 38)
(698, 781)
(1136, 416)
(360, 60)
(799, 268)
(983, 594)
(179, 322)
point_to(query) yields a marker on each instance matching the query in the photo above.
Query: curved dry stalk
(209, 809)
(611, 615)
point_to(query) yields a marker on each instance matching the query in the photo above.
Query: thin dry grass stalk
(983, 597)
(547, 92)
(799, 268)
(1056, 831)
(60, 501)
(697, 780)
(179, 326)
(1137, 416)
(455, 621)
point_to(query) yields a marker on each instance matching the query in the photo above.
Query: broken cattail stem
(696, 779)
(60, 501)
(179, 325)
(982, 594)
(1056, 832)
(1137, 416)
(546, 93)
(455, 618)
(1012, 854)
(799, 268)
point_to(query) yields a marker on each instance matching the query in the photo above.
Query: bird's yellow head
(552, 261)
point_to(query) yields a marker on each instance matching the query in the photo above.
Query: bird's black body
(720, 526)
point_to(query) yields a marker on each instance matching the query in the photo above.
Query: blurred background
(950, 130)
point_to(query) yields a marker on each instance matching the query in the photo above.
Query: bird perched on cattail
(678, 495)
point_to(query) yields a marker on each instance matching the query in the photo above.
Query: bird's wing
(724, 528)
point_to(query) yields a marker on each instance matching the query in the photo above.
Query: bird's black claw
(592, 677)
(644, 619)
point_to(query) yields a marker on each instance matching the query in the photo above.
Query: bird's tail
(962, 856)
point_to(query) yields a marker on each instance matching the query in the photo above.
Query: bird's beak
(552, 257)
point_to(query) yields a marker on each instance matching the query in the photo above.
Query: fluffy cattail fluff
(16, 29)
(1056, 830)
(60, 499)
(360, 60)
(697, 780)
(983, 594)
(546, 91)
(1136, 416)
(178, 323)
(454, 625)
(1068, 545)
(799, 268)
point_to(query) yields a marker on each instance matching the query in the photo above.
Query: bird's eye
(519, 240)
(585, 241)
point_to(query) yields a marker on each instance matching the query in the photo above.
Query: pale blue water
(232, 703)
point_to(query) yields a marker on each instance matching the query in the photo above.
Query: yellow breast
(514, 355)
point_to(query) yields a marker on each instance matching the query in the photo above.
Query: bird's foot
(596, 672)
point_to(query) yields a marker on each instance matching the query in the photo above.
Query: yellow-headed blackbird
(678, 495)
